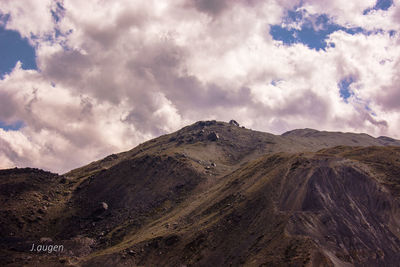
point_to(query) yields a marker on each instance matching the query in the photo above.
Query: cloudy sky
(83, 79)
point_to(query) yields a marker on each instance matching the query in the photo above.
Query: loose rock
(213, 136)
(233, 122)
(101, 209)
(104, 206)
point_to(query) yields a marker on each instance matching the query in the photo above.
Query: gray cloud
(66, 66)
(307, 104)
(7, 106)
(212, 7)
(389, 96)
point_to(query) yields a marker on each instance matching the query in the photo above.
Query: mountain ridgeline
(212, 194)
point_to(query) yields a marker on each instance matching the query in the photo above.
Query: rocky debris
(212, 165)
(78, 246)
(42, 210)
(213, 136)
(46, 240)
(233, 122)
(171, 240)
(200, 133)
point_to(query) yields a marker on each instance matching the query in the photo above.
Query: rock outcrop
(233, 122)
(213, 136)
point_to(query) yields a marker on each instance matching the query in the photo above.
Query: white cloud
(29, 17)
(125, 71)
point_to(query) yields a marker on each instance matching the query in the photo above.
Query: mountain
(210, 194)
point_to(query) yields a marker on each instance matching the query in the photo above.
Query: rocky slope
(212, 194)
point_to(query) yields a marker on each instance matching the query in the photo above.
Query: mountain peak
(214, 193)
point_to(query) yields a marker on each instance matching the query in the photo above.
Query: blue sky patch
(275, 82)
(344, 88)
(311, 30)
(367, 108)
(11, 127)
(383, 4)
(380, 5)
(13, 48)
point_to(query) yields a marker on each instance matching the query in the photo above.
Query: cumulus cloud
(112, 74)
(29, 17)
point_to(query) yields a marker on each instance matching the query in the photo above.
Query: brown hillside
(213, 194)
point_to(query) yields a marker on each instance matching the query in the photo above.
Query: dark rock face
(343, 209)
(206, 123)
(213, 195)
(213, 136)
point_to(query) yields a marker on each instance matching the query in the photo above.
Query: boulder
(233, 122)
(100, 209)
(213, 136)
(103, 206)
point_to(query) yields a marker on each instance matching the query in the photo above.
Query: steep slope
(216, 194)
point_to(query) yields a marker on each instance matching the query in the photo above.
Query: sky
(80, 80)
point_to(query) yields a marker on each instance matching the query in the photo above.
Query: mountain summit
(213, 193)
